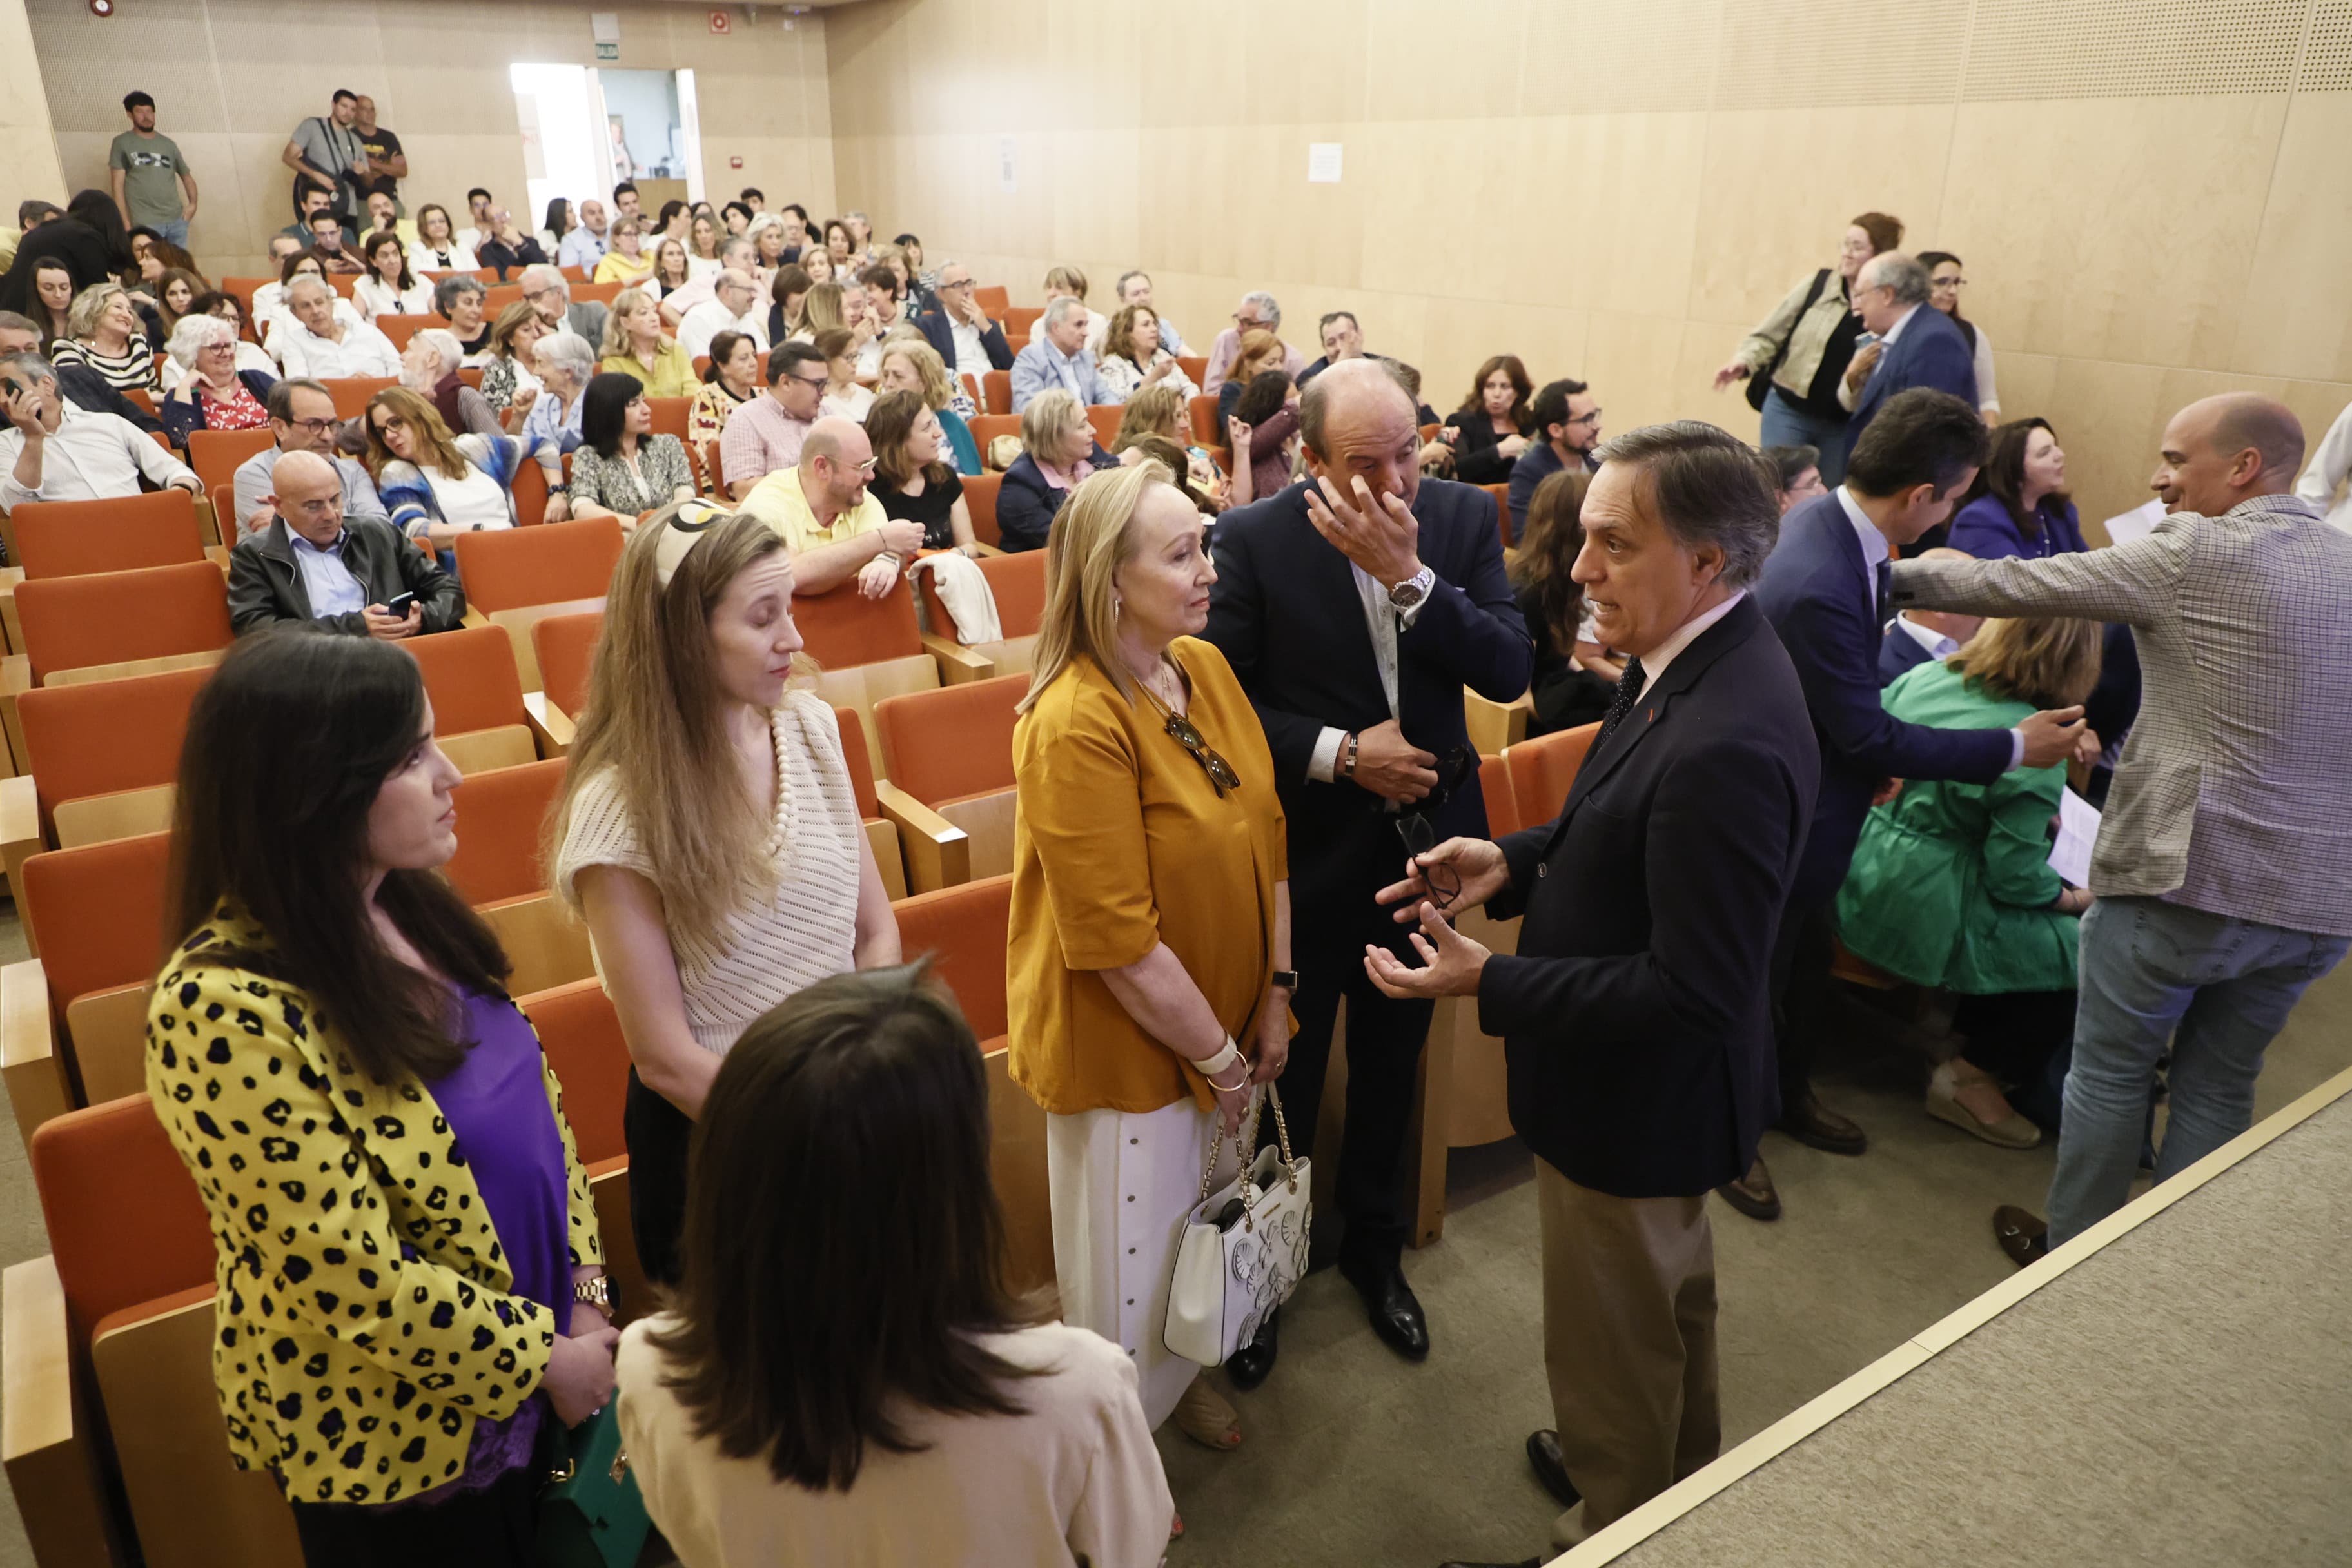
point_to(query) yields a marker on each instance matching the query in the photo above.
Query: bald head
(1357, 418)
(310, 496)
(836, 462)
(2223, 450)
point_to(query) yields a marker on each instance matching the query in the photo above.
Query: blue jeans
(1786, 425)
(2221, 989)
(175, 231)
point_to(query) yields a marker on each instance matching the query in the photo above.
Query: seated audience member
(1058, 450)
(1951, 884)
(823, 309)
(327, 244)
(2321, 483)
(1264, 431)
(89, 240)
(464, 303)
(1342, 338)
(668, 277)
(548, 291)
(1574, 679)
(321, 343)
(771, 247)
(1256, 313)
(1567, 419)
(915, 296)
(634, 345)
(1915, 638)
(834, 527)
(289, 260)
(1797, 474)
(428, 367)
(1058, 359)
(389, 289)
(437, 246)
(738, 218)
(84, 388)
(312, 199)
(765, 434)
(967, 341)
(436, 485)
(384, 217)
(478, 228)
(844, 397)
(818, 263)
(913, 483)
(1070, 283)
(584, 247)
(1489, 431)
(506, 246)
(943, 1407)
(301, 419)
(175, 295)
(732, 380)
(1158, 413)
(841, 246)
(565, 365)
(509, 385)
(788, 292)
(1132, 356)
(52, 303)
(628, 263)
(731, 308)
(914, 366)
(56, 451)
(700, 288)
(2024, 508)
(703, 238)
(211, 393)
(621, 468)
(315, 566)
(1259, 352)
(107, 339)
(557, 222)
(1135, 289)
(1917, 344)
(880, 287)
(1944, 282)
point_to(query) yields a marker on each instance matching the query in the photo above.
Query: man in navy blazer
(1825, 592)
(1636, 1016)
(1354, 606)
(1917, 344)
(956, 307)
(1915, 638)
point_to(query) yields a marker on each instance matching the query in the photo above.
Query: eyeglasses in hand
(1421, 836)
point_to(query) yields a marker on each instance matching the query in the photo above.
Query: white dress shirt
(364, 351)
(1386, 622)
(89, 456)
(972, 350)
(708, 319)
(1938, 645)
(2331, 464)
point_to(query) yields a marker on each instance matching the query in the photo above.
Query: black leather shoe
(2022, 1234)
(1543, 1453)
(1815, 1125)
(1395, 1311)
(1753, 1195)
(1249, 1366)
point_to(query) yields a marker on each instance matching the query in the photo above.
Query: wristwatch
(1413, 589)
(599, 1293)
(1286, 979)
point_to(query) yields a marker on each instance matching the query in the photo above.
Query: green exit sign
(608, 52)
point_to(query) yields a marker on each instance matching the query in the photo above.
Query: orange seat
(125, 1224)
(1019, 583)
(217, 455)
(843, 627)
(574, 275)
(107, 617)
(351, 393)
(345, 284)
(582, 1037)
(401, 328)
(993, 298)
(470, 678)
(861, 762)
(951, 743)
(979, 497)
(996, 391)
(596, 293)
(1502, 808)
(973, 388)
(96, 914)
(1543, 770)
(987, 427)
(69, 537)
(471, 374)
(1105, 418)
(1502, 494)
(1018, 320)
(243, 290)
(964, 929)
(1195, 368)
(100, 736)
(500, 295)
(508, 568)
(669, 415)
(500, 813)
(530, 493)
(566, 648)
(1207, 428)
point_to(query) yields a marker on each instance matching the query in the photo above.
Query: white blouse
(374, 297)
(423, 257)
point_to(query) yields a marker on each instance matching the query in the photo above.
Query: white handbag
(1245, 1247)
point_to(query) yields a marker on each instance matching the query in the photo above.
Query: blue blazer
(934, 325)
(1286, 614)
(1637, 1016)
(1819, 597)
(1899, 653)
(1984, 529)
(1931, 353)
(1026, 505)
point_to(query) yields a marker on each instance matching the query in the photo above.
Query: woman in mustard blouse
(1150, 913)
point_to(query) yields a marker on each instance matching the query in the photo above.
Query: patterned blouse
(1122, 375)
(132, 370)
(503, 377)
(612, 484)
(707, 420)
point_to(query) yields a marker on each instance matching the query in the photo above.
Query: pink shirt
(759, 438)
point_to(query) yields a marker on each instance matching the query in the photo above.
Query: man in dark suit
(1568, 430)
(958, 317)
(1825, 591)
(1917, 344)
(1636, 1016)
(1915, 638)
(1355, 606)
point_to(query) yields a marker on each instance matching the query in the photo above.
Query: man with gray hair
(731, 308)
(327, 346)
(968, 342)
(1135, 289)
(1637, 1016)
(1258, 312)
(301, 419)
(55, 451)
(549, 293)
(736, 253)
(1058, 357)
(1918, 345)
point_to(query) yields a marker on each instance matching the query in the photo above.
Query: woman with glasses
(1148, 976)
(213, 392)
(1945, 281)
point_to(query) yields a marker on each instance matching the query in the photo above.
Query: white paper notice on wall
(1005, 180)
(1323, 163)
(604, 26)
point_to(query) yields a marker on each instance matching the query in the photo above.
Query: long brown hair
(1548, 551)
(1119, 341)
(654, 720)
(1521, 388)
(436, 448)
(888, 424)
(2051, 661)
(287, 747)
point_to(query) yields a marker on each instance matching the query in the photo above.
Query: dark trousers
(1801, 997)
(657, 1134)
(2025, 1039)
(1385, 1040)
(495, 1527)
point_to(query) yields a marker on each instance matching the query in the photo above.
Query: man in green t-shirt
(148, 172)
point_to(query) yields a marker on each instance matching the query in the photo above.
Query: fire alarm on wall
(720, 22)
(736, 162)
(102, 7)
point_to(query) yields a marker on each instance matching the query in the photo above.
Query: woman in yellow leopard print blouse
(409, 1277)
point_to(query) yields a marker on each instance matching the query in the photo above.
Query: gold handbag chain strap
(1247, 1140)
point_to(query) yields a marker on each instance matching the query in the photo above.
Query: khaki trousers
(1629, 1345)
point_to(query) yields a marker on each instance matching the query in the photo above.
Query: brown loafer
(2023, 1235)
(1816, 1126)
(1753, 1195)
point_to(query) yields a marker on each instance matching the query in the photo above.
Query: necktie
(1885, 576)
(1629, 687)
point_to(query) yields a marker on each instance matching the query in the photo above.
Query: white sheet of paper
(2078, 829)
(1323, 162)
(2137, 523)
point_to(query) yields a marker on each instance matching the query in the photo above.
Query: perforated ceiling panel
(2327, 53)
(2103, 49)
(1793, 54)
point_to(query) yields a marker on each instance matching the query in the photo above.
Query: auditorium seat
(1105, 418)
(596, 293)
(996, 391)
(1502, 494)
(1018, 583)
(1543, 771)
(102, 758)
(881, 833)
(351, 393)
(993, 299)
(1208, 429)
(980, 499)
(972, 389)
(500, 868)
(108, 624)
(478, 715)
(1496, 727)
(344, 284)
(987, 427)
(515, 577)
(74, 537)
(582, 1036)
(564, 647)
(1195, 368)
(964, 929)
(215, 456)
(867, 649)
(948, 770)
(1018, 320)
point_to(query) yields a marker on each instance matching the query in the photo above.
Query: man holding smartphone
(318, 568)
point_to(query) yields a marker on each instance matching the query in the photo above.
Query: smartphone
(398, 604)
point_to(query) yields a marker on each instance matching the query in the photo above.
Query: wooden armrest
(1494, 725)
(11, 630)
(939, 853)
(20, 831)
(30, 1065)
(957, 663)
(982, 547)
(48, 1447)
(474, 617)
(15, 676)
(551, 726)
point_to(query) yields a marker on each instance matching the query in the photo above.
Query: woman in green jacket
(1952, 886)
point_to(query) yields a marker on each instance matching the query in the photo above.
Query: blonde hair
(1069, 278)
(821, 308)
(929, 369)
(1093, 536)
(81, 316)
(1151, 411)
(2049, 661)
(616, 337)
(1050, 415)
(1259, 350)
(654, 720)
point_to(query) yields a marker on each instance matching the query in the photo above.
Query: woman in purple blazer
(2023, 509)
